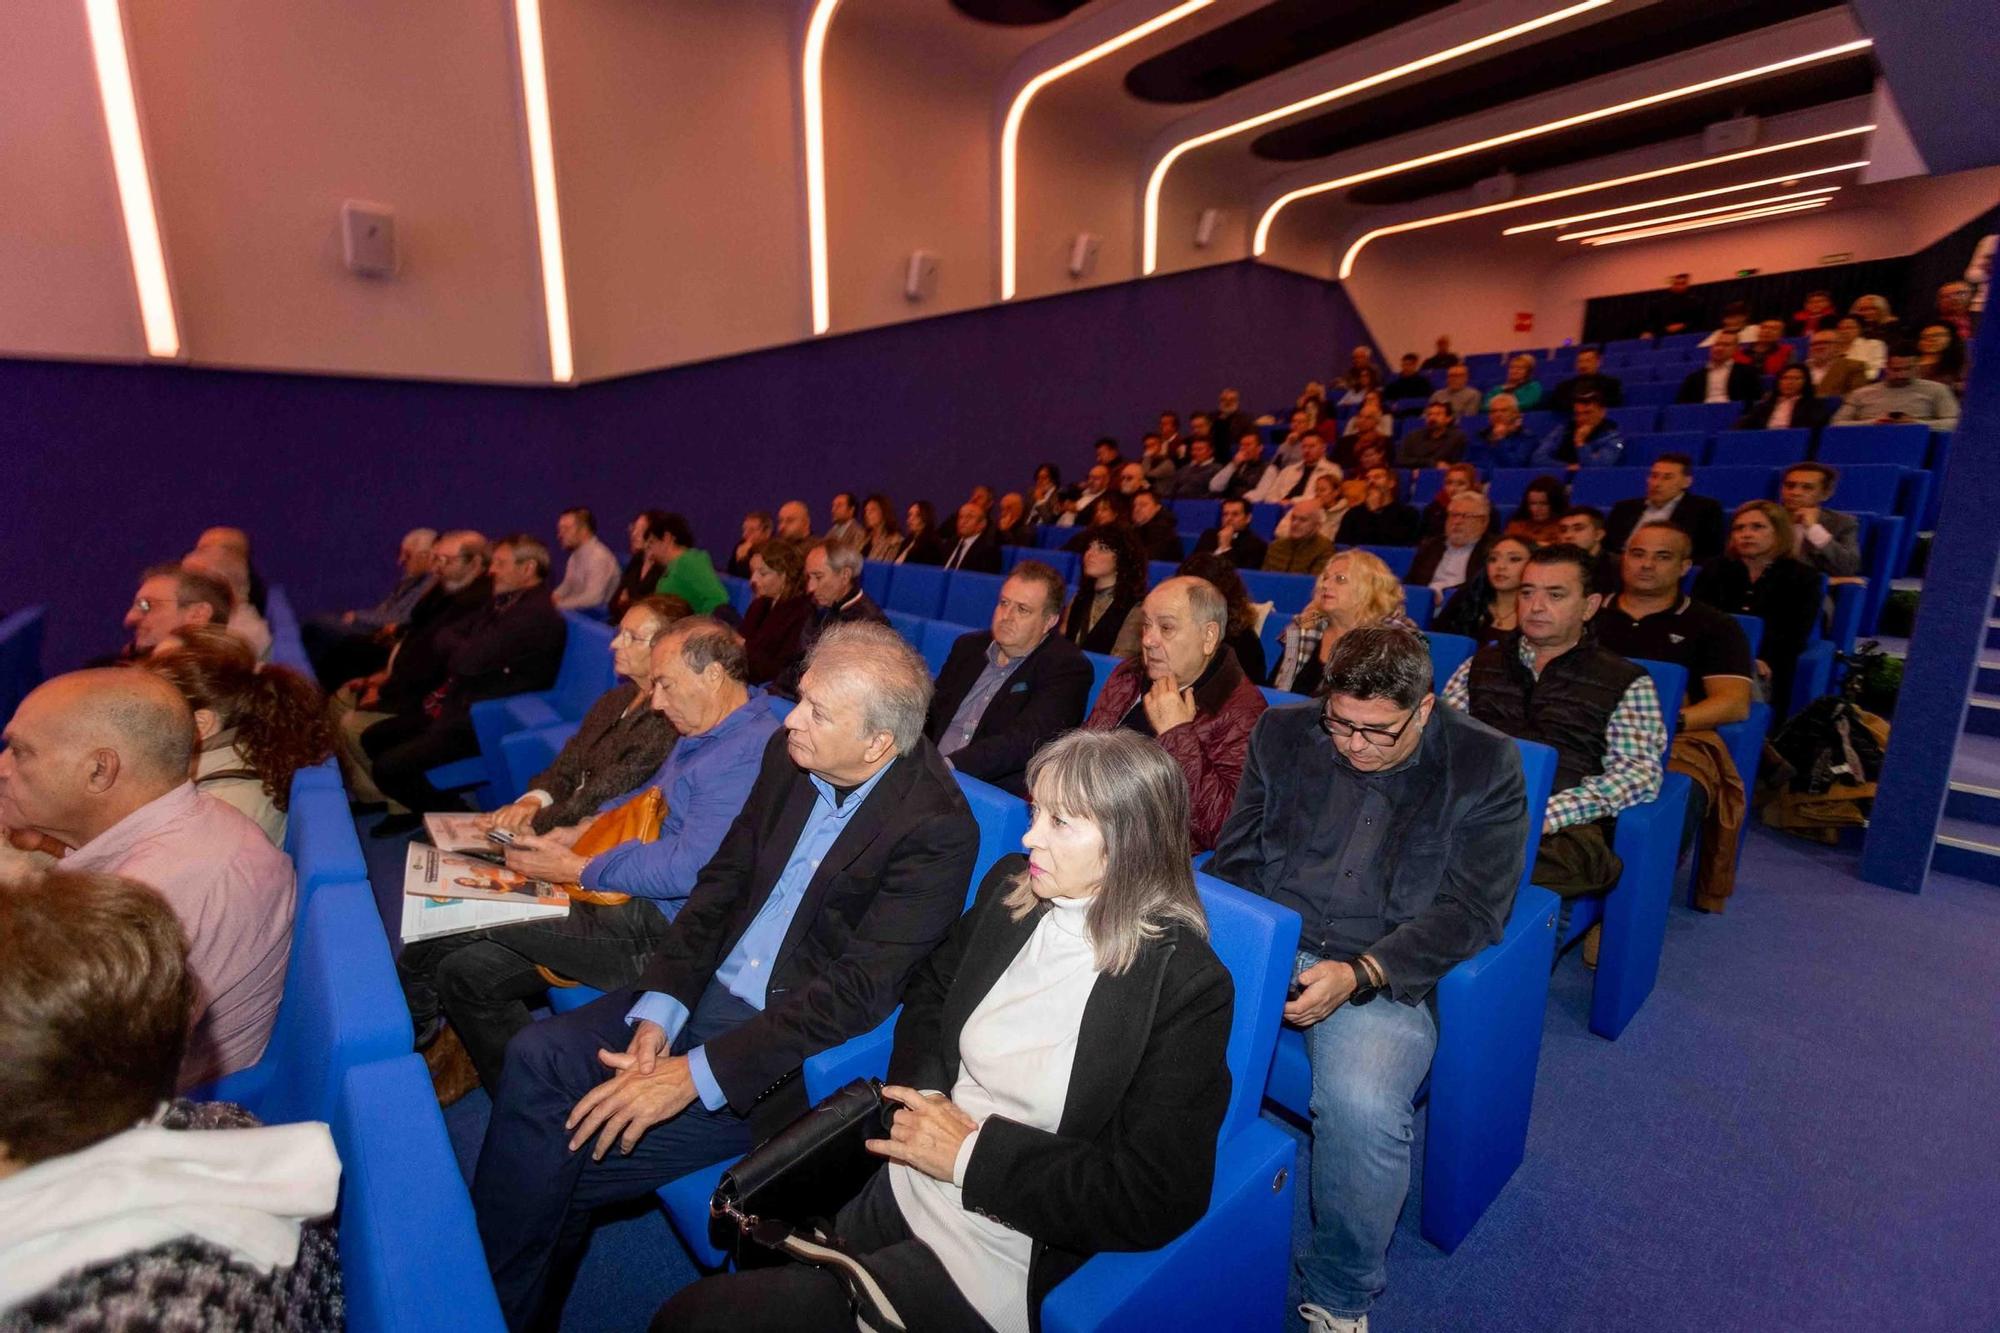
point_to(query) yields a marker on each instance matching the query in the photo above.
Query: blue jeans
(1367, 1064)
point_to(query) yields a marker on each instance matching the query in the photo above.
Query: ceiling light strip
(813, 88)
(1726, 218)
(1263, 235)
(1155, 183)
(135, 183)
(1787, 179)
(1570, 192)
(1010, 133)
(1731, 207)
(542, 171)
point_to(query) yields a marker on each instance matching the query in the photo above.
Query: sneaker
(1320, 1320)
(1591, 938)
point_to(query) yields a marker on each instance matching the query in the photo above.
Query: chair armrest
(527, 710)
(1635, 911)
(865, 1056)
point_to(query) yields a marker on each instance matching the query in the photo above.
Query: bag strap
(871, 1303)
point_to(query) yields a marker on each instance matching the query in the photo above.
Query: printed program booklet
(459, 833)
(448, 894)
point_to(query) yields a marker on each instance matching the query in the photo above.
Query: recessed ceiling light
(813, 95)
(1725, 219)
(135, 183)
(1732, 207)
(542, 171)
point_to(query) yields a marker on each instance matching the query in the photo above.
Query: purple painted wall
(114, 467)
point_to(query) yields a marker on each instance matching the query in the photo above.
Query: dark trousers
(340, 652)
(1577, 860)
(405, 748)
(534, 1198)
(485, 980)
(799, 1298)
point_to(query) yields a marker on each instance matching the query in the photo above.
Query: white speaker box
(1494, 189)
(1082, 254)
(368, 238)
(920, 276)
(1729, 136)
(1204, 227)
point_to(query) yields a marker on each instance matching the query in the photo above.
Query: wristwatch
(1365, 988)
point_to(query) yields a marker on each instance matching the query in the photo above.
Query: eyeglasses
(1339, 728)
(627, 636)
(143, 605)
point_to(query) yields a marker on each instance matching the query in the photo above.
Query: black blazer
(612, 752)
(1424, 566)
(1698, 516)
(1246, 550)
(982, 557)
(513, 646)
(420, 663)
(882, 899)
(923, 549)
(1131, 1165)
(1044, 697)
(1744, 385)
(1809, 413)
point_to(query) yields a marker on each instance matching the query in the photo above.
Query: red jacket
(1210, 749)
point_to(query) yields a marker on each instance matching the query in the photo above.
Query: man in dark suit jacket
(1004, 692)
(833, 581)
(1670, 499)
(846, 868)
(512, 646)
(1446, 561)
(1156, 528)
(1588, 379)
(1724, 379)
(976, 548)
(1829, 541)
(1245, 549)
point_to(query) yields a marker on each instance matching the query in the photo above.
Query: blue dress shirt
(747, 970)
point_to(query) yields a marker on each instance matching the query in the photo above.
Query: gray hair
(704, 641)
(841, 557)
(1206, 604)
(1138, 798)
(872, 665)
(1380, 662)
(425, 537)
(529, 548)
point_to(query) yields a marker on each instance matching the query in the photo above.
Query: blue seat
(409, 1246)
(1196, 515)
(1635, 418)
(1419, 604)
(1538, 423)
(936, 640)
(910, 626)
(1053, 536)
(342, 1007)
(528, 753)
(1425, 488)
(1606, 486)
(1904, 443)
(584, 674)
(1159, 571)
(917, 589)
(1278, 698)
(1650, 395)
(21, 637)
(319, 837)
(1870, 488)
(1482, 1081)
(1679, 342)
(1264, 519)
(1760, 448)
(1289, 593)
(969, 598)
(1397, 558)
(1065, 563)
(875, 580)
(1448, 653)
(1885, 537)
(1731, 486)
(1509, 484)
(1706, 417)
(740, 592)
(1645, 449)
(1101, 667)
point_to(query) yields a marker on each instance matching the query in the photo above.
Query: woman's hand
(544, 859)
(516, 817)
(926, 1134)
(1763, 671)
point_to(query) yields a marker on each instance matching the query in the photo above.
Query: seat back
(1731, 486)
(1760, 448)
(909, 626)
(917, 589)
(1195, 515)
(1264, 519)
(319, 837)
(1707, 417)
(1002, 820)
(969, 597)
(1753, 630)
(1419, 604)
(1448, 653)
(1065, 563)
(1397, 558)
(1538, 772)
(1511, 483)
(1159, 571)
(1904, 443)
(740, 592)
(1644, 450)
(875, 580)
(935, 641)
(1258, 941)
(1101, 667)
(1606, 486)
(586, 671)
(1670, 682)
(1278, 698)
(1869, 488)
(1287, 593)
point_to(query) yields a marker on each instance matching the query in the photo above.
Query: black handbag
(779, 1194)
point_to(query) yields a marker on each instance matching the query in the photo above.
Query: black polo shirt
(1692, 634)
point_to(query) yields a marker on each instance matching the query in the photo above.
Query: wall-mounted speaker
(1494, 189)
(1204, 227)
(920, 276)
(368, 238)
(1729, 136)
(1082, 254)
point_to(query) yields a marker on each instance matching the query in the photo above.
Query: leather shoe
(1591, 938)
(452, 1071)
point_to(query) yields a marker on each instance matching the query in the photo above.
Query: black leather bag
(780, 1193)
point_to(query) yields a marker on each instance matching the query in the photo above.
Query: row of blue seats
(340, 1051)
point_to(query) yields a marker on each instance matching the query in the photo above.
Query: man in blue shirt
(847, 866)
(485, 981)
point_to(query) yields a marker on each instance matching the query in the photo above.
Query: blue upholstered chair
(1397, 558)
(1705, 417)
(875, 580)
(1760, 448)
(319, 837)
(936, 640)
(916, 589)
(1101, 667)
(585, 673)
(410, 1256)
(1196, 516)
(1482, 1081)
(1448, 653)
(1289, 593)
(1905, 444)
(969, 597)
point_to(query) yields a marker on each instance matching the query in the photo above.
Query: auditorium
(999, 666)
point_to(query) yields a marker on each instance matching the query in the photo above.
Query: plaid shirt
(1634, 740)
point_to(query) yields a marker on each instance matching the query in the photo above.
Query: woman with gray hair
(1059, 1062)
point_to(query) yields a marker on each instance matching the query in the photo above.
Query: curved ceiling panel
(1619, 42)
(1263, 42)
(1792, 90)
(1018, 13)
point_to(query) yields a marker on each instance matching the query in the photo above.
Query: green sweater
(692, 579)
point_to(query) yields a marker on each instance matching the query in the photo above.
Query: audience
(1458, 478)
(1232, 539)
(845, 527)
(922, 545)
(1196, 477)
(1768, 353)
(1156, 464)
(1045, 498)
(484, 983)
(1381, 518)
(357, 642)
(170, 596)
(1941, 356)
(1758, 575)
(1900, 396)
(98, 761)
(1000, 1064)
(1231, 422)
(833, 582)
(686, 571)
(255, 725)
(1583, 526)
(1437, 442)
(1243, 473)
(237, 542)
(227, 566)
(1877, 320)
(124, 1208)
(1851, 343)
(1409, 381)
(1955, 309)
(1104, 616)
(642, 575)
(621, 739)
(1723, 380)
(1486, 605)
(1519, 385)
(756, 531)
(774, 624)
(1447, 560)
(1827, 540)
(794, 521)
(1355, 589)
(1816, 314)
(1735, 319)
(1155, 527)
(512, 645)
(976, 549)
(1443, 358)
(1302, 546)
(1587, 379)
(1538, 518)
(591, 574)
(1832, 372)
(1331, 497)
(1549, 681)
(1295, 481)
(845, 870)
(1397, 832)
(1790, 403)
(1504, 440)
(1363, 382)
(1186, 689)
(880, 538)
(1670, 498)
(1457, 395)
(1096, 483)
(1010, 523)
(1370, 424)
(1588, 439)
(1004, 692)
(1246, 618)
(1651, 619)
(1676, 310)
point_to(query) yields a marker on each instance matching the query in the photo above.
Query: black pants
(799, 1298)
(1575, 861)
(405, 748)
(340, 652)
(485, 980)
(533, 1197)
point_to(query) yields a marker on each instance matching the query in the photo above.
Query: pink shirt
(234, 893)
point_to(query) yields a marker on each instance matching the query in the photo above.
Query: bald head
(232, 539)
(87, 749)
(225, 564)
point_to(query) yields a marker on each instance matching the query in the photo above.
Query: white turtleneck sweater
(1015, 1055)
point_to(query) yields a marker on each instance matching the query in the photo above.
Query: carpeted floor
(1798, 1132)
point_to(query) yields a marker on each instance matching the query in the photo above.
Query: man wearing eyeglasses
(1397, 831)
